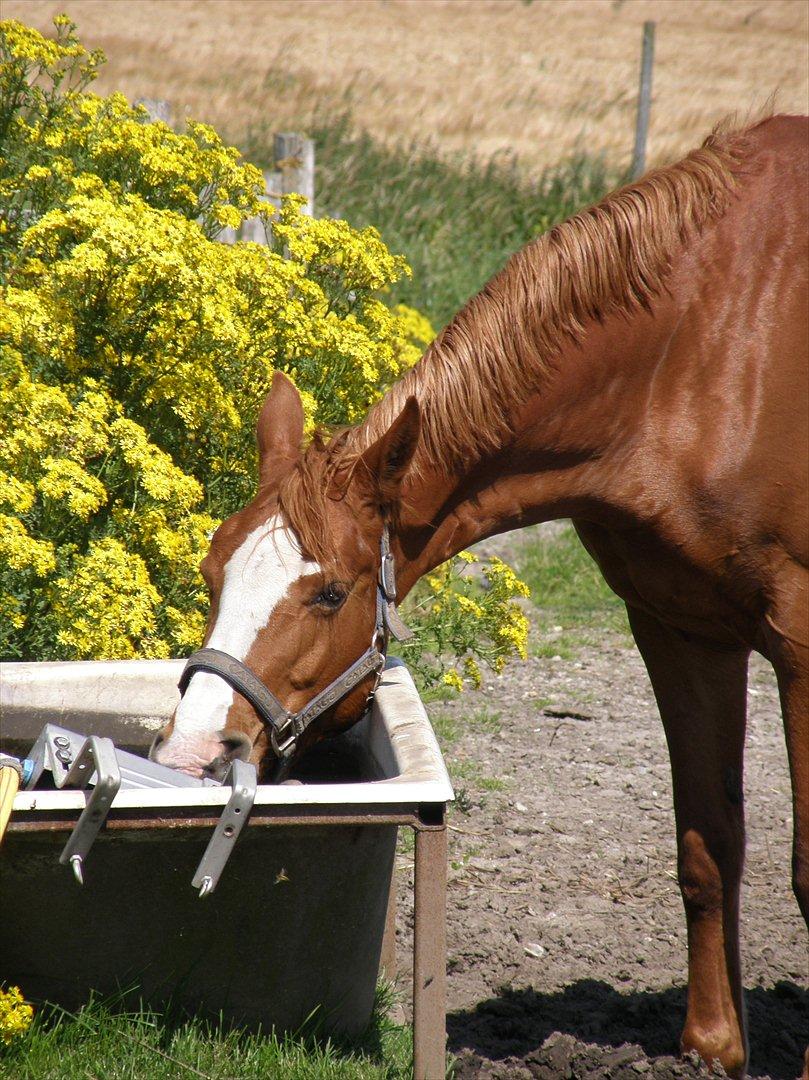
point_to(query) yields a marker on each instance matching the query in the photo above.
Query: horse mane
(609, 258)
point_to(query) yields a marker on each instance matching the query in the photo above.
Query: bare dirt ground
(566, 936)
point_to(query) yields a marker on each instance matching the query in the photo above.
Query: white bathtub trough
(297, 921)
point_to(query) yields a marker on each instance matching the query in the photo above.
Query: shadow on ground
(516, 1023)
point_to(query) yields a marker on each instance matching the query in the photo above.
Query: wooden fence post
(157, 108)
(644, 101)
(295, 160)
(294, 172)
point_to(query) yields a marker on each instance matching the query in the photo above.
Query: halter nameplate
(286, 727)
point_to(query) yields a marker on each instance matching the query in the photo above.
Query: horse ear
(387, 461)
(279, 431)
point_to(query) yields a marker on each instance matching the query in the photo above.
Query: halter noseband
(287, 727)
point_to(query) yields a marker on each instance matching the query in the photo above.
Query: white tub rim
(402, 740)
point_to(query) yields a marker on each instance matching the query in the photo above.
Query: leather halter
(287, 727)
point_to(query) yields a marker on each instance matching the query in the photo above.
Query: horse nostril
(235, 744)
(217, 769)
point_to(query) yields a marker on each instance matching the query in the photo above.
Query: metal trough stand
(96, 755)
(242, 778)
(430, 951)
(296, 828)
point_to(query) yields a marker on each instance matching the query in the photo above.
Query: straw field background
(541, 79)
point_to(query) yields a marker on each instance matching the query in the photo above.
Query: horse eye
(332, 596)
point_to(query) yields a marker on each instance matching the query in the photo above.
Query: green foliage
(459, 619)
(456, 219)
(449, 727)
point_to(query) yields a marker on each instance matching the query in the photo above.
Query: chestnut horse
(640, 369)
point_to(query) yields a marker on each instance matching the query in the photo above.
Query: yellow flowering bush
(461, 618)
(15, 1015)
(135, 353)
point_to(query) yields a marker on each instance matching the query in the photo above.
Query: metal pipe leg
(430, 955)
(387, 961)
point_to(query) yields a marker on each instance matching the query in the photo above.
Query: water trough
(303, 914)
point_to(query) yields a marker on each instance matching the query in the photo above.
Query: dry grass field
(475, 75)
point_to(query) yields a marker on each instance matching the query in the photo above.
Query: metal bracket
(78, 762)
(54, 751)
(57, 749)
(97, 756)
(243, 778)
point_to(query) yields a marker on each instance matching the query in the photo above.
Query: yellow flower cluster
(86, 503)
(511, 631)
(356, 346)
(475, 615)
(24, 45)
(452, 679)
(15, 1014)
(107, 603)
(77, 134)
(135, 353)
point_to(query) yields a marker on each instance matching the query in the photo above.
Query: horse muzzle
(208, 757)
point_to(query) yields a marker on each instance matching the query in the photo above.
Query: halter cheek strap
(287, 727)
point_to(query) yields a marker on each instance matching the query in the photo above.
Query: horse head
(292, 614)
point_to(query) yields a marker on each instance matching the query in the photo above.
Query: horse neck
(534, 395)
(570, 449)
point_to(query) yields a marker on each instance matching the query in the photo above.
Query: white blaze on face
(257, 576)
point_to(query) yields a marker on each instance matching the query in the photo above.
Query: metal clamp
(96, 758)
(57, 749)
(242, 776)
(78, 762)
(283, 744)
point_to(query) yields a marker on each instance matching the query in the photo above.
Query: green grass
(484, 720)
(103, 1042)
(472, 771)
(440, 692)
(406, 842)
(455, 219)
(468, 778)
(567, 587)
(471, 783)
(449, 727)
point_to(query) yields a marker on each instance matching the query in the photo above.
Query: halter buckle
(283, 744)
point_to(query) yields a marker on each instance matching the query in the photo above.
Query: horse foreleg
(786, 632)
(701, 694)
(793, 682)
(790, 657)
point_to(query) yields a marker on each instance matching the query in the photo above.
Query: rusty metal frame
(430, 946)
(428, 822)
